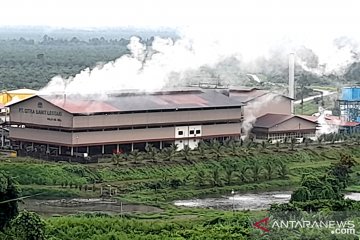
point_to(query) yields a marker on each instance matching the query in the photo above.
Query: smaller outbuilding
(277, 127)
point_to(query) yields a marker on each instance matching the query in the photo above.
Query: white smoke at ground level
(255, 108)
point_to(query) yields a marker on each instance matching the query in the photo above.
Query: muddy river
(80, 205)
(243, 201)
(238, 201)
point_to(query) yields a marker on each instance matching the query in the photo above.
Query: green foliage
(31, 64)
(8, 199)
(342, 169)
(28, 226)
(105, 227)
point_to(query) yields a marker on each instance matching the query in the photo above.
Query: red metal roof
(82, 106)
(333, 120)
(142, 102)
(270, 120)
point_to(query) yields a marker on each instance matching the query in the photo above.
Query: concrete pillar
(102, 149)
(132, 146)
(32, 146)
(161, 144)
(117, 148)
(87, 150)
(72, 151)
(21, 145)
(59, 150)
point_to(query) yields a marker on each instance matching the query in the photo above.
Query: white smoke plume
(324, 126)
(226, 41)
(255, 109)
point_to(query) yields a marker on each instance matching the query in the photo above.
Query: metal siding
(293, 124)
(38, 135)
(155, 118)
(221, 129)
(39, 119)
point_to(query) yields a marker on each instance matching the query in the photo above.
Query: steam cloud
(197, 57)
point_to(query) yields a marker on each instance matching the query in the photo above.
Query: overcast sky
(317, 15)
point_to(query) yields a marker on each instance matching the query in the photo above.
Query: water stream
(244, 201)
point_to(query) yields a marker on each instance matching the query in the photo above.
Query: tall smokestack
(292, 80)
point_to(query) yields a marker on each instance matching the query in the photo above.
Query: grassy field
(159, 183)
(162, 182)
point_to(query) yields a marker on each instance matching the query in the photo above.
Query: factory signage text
(40, 111)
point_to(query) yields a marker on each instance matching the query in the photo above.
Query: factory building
(277, 127)
(349, 103)
(93, 125)
(259, 102)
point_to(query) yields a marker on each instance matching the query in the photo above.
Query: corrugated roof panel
(143, 102)
(269, 120)
(82, 106)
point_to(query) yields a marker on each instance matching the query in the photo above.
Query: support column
(72, 151)
(117, 148)
(132, 146)
(59, 150)
(102, 149)
(161, 144)
(21, 145)
(32, 146)
(87, 150)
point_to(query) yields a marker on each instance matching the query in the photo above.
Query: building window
(181, 133)
(191, 131)
(198, 131)
(40, 105)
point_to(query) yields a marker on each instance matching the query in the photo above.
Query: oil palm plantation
(229, 167)
(169, 153)
(242, 171)
(152, 153)
(136, 156)
(186, 153)
(256, 169)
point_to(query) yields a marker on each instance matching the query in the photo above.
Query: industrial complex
(350, 104)
(89, 125)
(93, 125)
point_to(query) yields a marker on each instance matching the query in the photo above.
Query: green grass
(54, 179)
(311, 107)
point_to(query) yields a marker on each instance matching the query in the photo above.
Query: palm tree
(152, 152)
(233, 148)
(201, 151)
(168, 153)
(217, 150)
(215, 177)
(136, 156)
(186, 153)
(269, 168)
(116, 158)
(256, 170)
(283, 170)
(200, 178)
(242, 171)
(230, 167)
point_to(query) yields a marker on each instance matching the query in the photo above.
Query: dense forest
(30, 64)
(28, 60)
